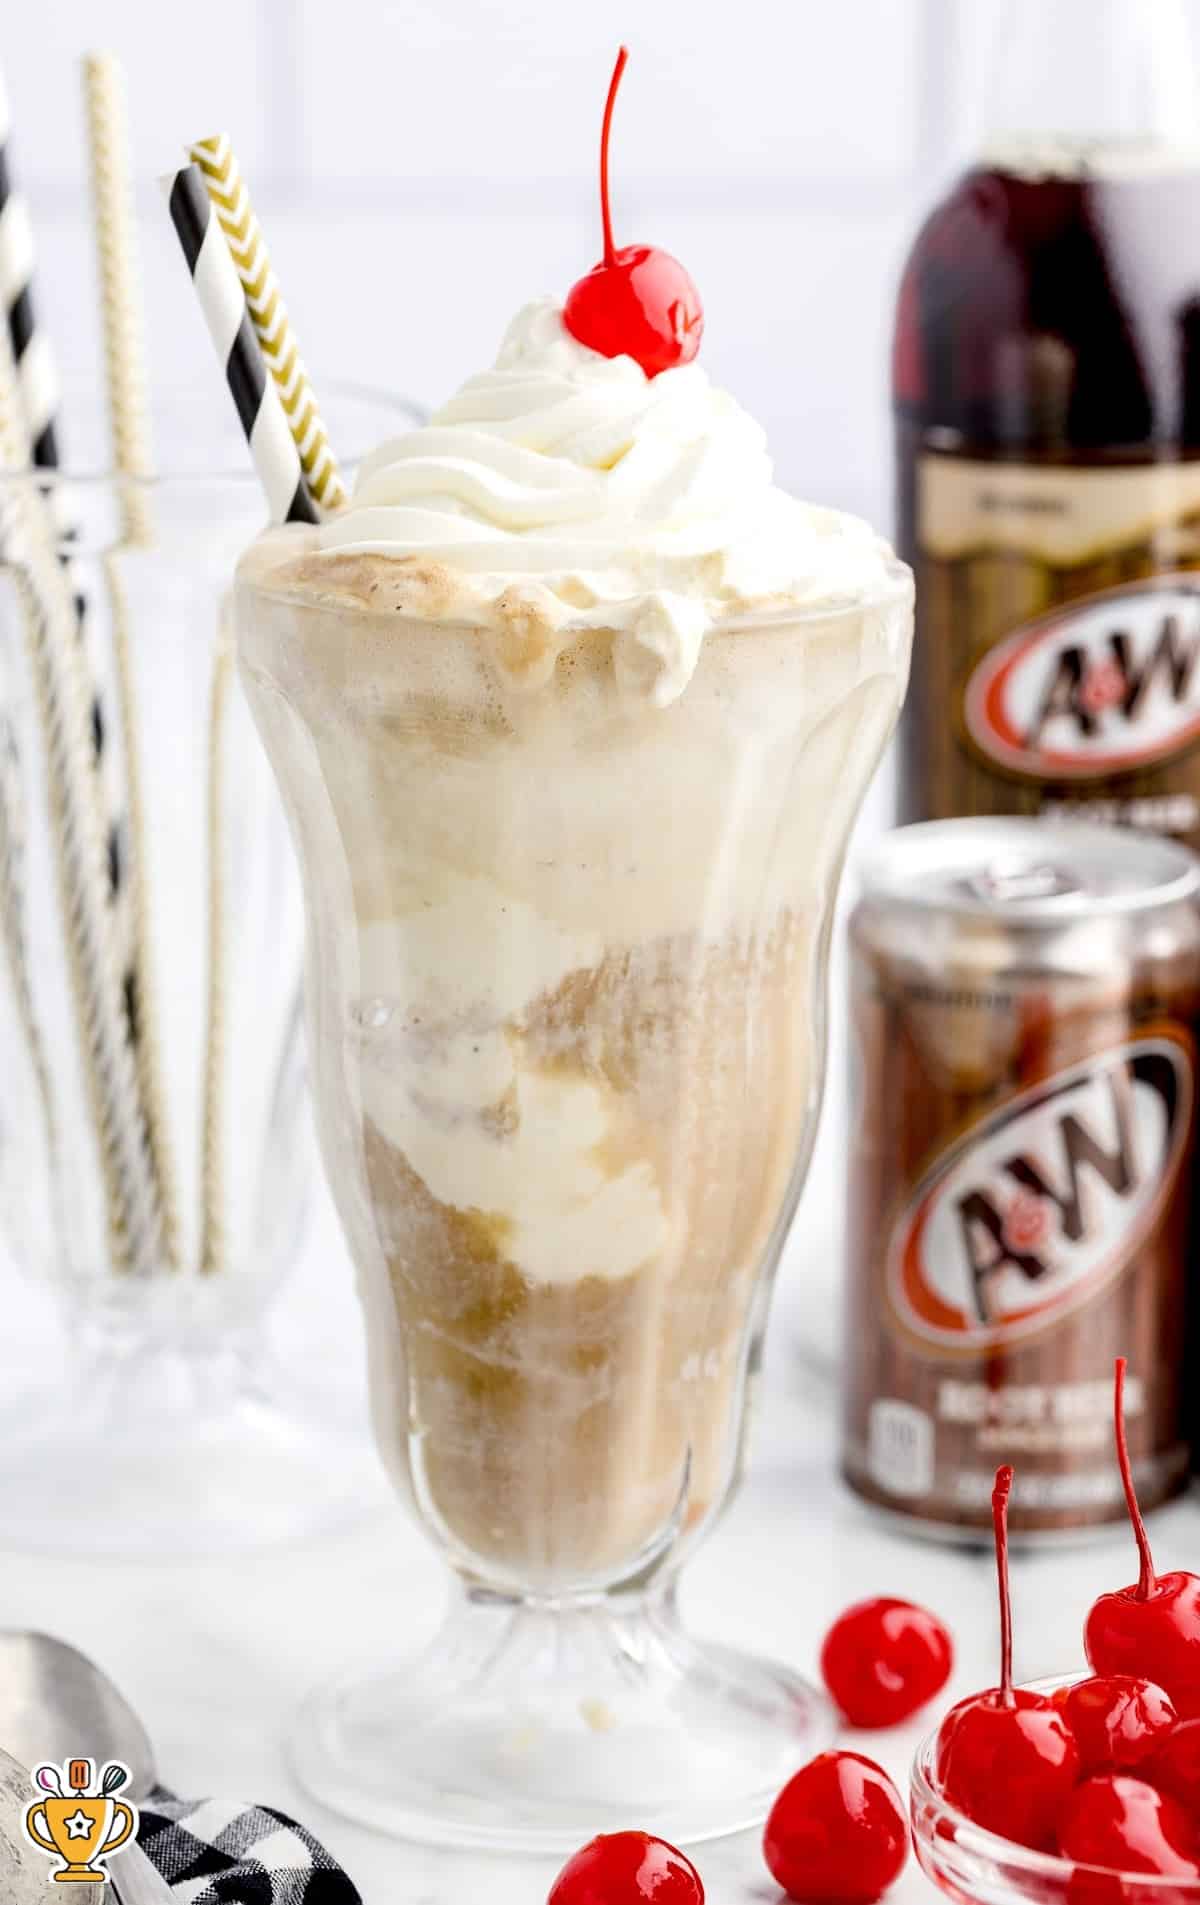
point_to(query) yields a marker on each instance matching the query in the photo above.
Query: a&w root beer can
(1024, 1008)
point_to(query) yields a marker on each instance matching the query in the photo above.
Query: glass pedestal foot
(531, 1726)
(160, 1451)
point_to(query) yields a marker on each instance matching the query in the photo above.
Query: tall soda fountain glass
(571, 739)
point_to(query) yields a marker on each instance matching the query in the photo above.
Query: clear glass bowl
(981, 1868)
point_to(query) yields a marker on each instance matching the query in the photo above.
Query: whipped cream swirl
(567, 490)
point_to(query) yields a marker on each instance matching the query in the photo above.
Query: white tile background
(423, 166)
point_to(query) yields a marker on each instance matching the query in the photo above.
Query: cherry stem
(1000, 1495)
(610, 102)
(1147, 1579)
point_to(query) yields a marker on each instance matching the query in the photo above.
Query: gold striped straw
(120, 282)
(129, 421)
(268, 314)
(213, 1238)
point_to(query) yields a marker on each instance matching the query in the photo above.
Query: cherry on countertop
(1122, 1823)
(1153, 1628)
(883, 1659)
(637, 302)
(1007, 1758)
(837, 1831)
(627, 1868)
(1117, 1721)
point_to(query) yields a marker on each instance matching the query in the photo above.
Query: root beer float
(1024, 1007)
(1047, 398)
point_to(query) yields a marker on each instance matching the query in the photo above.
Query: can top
(1039, 871)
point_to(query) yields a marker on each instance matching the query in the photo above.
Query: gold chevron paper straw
(142, 1000)
(129, 421)
(120, 286)
(212, 1138)
(268, 314)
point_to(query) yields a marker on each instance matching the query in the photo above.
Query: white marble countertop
(215, 1654)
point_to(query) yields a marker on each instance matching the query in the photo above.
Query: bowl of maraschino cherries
(1081, 1787)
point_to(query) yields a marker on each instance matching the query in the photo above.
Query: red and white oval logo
(1045, 1202)
(1098, 687)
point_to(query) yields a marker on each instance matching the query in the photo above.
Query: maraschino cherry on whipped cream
(595, 479)
(638, 302)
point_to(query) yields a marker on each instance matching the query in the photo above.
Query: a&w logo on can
(1097, 687)
(1046, 1201)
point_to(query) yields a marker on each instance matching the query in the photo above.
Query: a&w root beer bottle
(1047, 395)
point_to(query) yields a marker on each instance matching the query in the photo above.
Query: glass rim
(992, 1848)
(894, 589)
(91, 476)
(895, 586)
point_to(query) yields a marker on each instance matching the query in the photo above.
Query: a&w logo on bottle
(1045, 1202)
(1098, 687)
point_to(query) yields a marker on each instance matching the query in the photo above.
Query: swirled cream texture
(562, 491)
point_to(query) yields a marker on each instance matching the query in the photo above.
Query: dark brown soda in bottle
(1046, 382)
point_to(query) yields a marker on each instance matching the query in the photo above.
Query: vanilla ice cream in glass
(572, 711)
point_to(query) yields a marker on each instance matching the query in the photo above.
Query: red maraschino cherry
(1174, 1766)
(637, 302)
(627, 1868)
(1007, 1758)
(882, 1659)
(1117, 1722)
(837, 1831)
(1151, 1630)
(1123, 1824)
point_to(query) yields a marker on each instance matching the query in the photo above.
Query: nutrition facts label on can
(900, 1447)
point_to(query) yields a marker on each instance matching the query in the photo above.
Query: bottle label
(1043, 1204)
(1094, 688)
(1059, 625)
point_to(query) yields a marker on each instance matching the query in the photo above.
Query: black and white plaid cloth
(215, 1853)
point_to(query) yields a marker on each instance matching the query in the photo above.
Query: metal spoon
(56, 1704)
(24, 1869)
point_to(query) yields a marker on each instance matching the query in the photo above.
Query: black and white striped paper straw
(37, 382)
(223, 303)
(39, 400)
(272, 326)
(38, 390)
